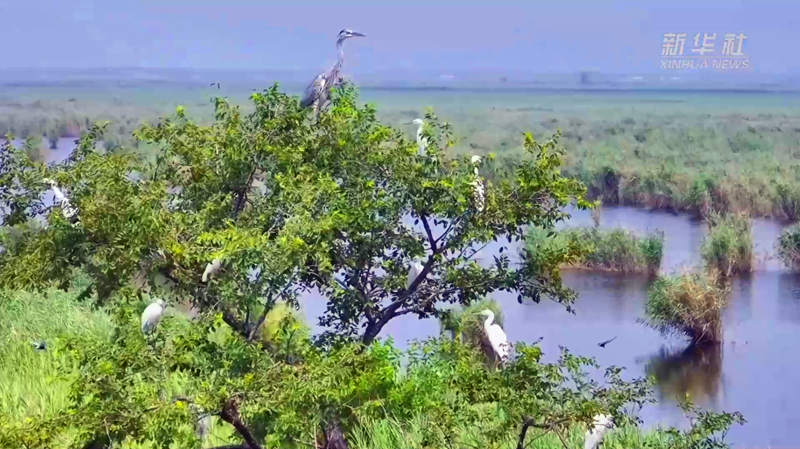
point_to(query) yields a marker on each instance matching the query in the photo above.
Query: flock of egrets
(318, 95)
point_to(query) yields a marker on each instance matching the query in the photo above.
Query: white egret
(594, 436)
(152, 315)
(414, 271)
(62, 199)
(422, 142)
(211, 268)
(496, 335)
(478, 191)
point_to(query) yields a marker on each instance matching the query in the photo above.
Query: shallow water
(752, 372)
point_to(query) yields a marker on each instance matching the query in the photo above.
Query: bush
(728, 247)
(690, 304)
(618, 250)
(789, 246)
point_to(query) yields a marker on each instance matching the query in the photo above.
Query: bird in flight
(603, 344)
(214, 84)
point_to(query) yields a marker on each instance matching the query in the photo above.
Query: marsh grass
(28, 386)
(690, 304)
(391, 433)
(617, 249)
(728, 247)
(788, 247)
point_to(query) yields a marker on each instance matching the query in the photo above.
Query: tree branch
(230, 414)
(263, 316)
(530, 422)
(431, 240)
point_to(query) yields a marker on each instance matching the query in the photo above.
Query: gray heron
(318, 92)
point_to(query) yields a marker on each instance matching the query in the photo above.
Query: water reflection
(695, 370)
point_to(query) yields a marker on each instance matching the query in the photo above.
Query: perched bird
(39, 345)
(318, 92)
(603, 344)
(422, 142)
(594, 436)
(62, 199)
(211, 269)
(478, 191)
(152, 315)
(476, 161)
(414, 271)
(496, 335)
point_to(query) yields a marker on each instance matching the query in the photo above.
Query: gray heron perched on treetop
(318, 92)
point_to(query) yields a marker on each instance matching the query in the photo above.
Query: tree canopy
(289, 204)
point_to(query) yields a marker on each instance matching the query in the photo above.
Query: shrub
(728, 247)
(690, 304)
(789, 246)
(618, 249)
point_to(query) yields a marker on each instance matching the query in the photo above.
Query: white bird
(478, 191)
(422, 142)
(152, 315)
(414, 271)
(496, 335)
(211, 268)
(62, 199)
(594, 436)
(476, 160)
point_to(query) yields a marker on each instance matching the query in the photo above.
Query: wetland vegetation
(713, 163)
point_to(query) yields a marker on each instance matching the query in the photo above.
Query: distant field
(687, 151)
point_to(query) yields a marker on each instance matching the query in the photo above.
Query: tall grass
(728, 247)
(789, 246)
(28, 386)
(616, 249)
(690, 304)
(391, 433)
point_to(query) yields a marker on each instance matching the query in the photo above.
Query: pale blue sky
(553, 36)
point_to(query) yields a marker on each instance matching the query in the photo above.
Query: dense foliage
(288, 205)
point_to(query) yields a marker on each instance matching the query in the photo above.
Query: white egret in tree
(478, 192)
(496, 335)
(318, 92)
(63, 201)
(152, 315)
(422, 142)
(211, 269)
(414, 271)
(594, 436)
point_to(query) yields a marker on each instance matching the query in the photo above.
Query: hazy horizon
(514, 36)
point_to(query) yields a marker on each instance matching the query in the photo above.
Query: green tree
(287, 204)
